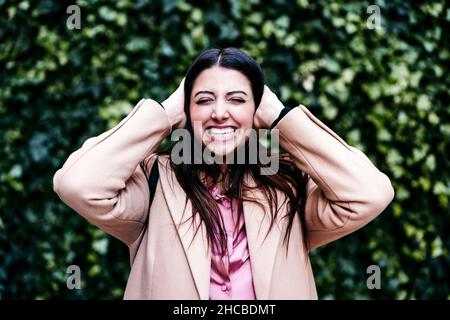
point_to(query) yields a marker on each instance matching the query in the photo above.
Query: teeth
(220, 131)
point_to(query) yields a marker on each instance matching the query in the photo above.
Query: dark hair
(289, 179)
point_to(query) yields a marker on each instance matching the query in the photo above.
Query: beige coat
(103, 182)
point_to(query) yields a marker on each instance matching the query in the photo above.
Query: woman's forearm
(351, 190)
(93, 177)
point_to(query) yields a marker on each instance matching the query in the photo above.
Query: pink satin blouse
(231, 275)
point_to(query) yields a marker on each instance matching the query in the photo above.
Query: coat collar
(262, 249)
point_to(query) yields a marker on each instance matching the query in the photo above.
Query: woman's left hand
(268, 111)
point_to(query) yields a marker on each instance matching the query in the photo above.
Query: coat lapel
(197, 252)
(262, 251)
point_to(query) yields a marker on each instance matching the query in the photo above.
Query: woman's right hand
(174, 106)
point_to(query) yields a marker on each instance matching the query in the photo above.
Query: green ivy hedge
(384, 90)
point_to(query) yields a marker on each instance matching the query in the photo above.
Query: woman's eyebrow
(212, 93)
(207, 92)
(233, 92)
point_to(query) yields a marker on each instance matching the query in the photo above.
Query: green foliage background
(385, 91)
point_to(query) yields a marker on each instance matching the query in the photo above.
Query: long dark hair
(289, 179)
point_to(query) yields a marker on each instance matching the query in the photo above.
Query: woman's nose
(220, 111)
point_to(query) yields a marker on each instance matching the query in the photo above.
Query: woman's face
(222, 109)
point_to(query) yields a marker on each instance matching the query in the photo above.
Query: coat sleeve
(346, 191)
(103, 180)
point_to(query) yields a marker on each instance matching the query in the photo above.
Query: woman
(222, 230)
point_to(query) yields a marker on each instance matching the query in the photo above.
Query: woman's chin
(223, 151)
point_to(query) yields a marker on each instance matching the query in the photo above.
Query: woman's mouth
(220, 134)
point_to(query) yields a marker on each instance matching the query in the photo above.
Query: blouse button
(224, 288)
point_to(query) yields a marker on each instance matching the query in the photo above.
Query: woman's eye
(203, 101)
